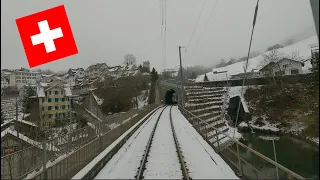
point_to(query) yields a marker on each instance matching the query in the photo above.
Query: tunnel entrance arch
(171, 97)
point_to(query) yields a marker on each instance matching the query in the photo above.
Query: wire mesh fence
(47, 153)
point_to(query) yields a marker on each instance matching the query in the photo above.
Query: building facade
(54, 102)
(23, 77)
(285, 67)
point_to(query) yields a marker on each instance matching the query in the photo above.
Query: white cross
(46, 36)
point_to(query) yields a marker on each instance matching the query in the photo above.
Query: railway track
(146, 156)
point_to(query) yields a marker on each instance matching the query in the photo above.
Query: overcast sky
(105, 30)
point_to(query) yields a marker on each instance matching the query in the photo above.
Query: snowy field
(303, 47)
(201, 160)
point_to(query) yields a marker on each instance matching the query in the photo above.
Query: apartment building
(23, 77)
(54, 100)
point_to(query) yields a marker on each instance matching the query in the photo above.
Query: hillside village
(36, 106)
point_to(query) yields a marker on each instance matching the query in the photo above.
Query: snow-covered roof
(42, 87)
(98, 100)
(26, 139)
(96, 66)
(19, 120)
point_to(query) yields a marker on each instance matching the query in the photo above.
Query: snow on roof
(20, 120)
(40, 91)
(67, 91)
(303, 47)
(26, 139)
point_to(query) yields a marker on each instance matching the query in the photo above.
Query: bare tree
(273, 57)
(129, 59)
(294, 55)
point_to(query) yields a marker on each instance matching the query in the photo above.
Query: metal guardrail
(54, 158)
(258, 169)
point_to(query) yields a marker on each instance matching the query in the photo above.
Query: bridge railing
(58, 157)
(246, 161)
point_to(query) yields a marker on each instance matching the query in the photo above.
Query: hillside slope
(303, 47)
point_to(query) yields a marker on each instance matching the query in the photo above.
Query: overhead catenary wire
(246, 66)
(214, 7)
(197, 23)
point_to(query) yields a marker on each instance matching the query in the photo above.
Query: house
(22, 77)
(30, 157)
(92, 103)
(96, 69)
(54, 101)
(115, 71)
(254, 73)
(73, 75)
(285, 66)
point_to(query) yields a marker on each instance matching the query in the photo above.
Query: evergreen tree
(154, 75)
(205, 78)
(193, 76)
(29, 91)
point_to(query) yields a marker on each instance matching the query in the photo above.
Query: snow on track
(201, 160)
(125, 163)
(163, 161)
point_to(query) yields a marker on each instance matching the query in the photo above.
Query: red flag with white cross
(46, 36)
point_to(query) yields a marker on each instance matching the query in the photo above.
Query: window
(285, 65)
(56, 107)
(63, 106)
(42, 99)
(24, 81)
(49, 92)
(49, 100)
(294, 71)
(45, 99)
(49, 107)
(56, 92)
(56, 99)
(46, 93)
(44, 116)
(62, 99)
(62, 92)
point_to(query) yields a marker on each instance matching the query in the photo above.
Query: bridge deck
(200, 159)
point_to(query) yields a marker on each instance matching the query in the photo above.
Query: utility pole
(181, 76)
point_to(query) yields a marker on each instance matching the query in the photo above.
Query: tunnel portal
(171, 97)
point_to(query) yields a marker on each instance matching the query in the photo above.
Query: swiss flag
(46, 36)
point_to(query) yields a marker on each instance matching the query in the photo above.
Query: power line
(195, 27)
(205, 25)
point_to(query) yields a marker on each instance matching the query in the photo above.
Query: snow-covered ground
(163, 161)
(303, 47)
(267, 125)
(130, 155)
(201, 160)
(91, 165)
